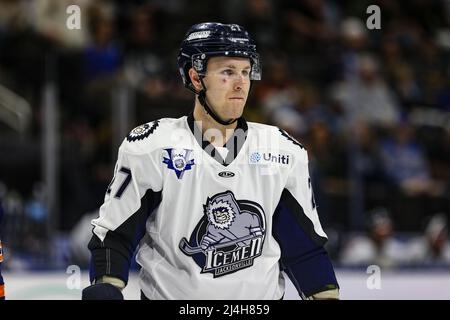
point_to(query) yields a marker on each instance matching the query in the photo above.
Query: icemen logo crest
(229, 236)
(179, 161)
(142, 132)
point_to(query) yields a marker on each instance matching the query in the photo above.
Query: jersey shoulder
(282, 138)
(151, 135)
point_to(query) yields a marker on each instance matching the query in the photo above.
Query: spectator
(378, 247)
(367, 97)
(404, 161)
(433, 248)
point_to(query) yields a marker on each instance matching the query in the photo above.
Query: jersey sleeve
(300, 235)
(133, 194)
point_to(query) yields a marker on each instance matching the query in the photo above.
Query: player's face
(227, 81)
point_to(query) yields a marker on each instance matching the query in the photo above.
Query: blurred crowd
(372, 108)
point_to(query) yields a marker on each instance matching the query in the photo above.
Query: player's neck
(208, 123)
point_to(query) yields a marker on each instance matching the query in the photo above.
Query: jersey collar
(234, 144)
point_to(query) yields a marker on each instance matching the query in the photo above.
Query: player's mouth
(236, 98)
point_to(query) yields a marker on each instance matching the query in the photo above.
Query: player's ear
(195, 79)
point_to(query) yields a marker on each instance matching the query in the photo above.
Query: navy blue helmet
(210, 39)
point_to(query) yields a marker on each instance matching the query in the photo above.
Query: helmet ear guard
(198, 62)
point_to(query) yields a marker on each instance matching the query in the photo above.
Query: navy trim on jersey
(113, 256)
(290, 204)
(303, 258)
(234, 144)
(291, 139)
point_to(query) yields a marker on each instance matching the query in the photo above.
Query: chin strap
(202, 99)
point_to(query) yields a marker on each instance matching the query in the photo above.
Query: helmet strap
(204, 103)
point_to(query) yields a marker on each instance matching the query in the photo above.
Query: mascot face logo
(229, 236)
(220, 214)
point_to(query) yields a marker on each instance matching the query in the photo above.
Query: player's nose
(239, 82)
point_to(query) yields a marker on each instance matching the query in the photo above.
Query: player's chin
(235, 108)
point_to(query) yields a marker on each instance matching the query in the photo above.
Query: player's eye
(245, 73)
(228, 72)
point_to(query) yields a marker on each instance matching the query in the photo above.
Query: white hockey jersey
(211, 223)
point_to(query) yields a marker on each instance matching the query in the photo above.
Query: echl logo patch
(229, 237)
(179, 161)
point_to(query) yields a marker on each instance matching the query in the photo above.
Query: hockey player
(217, 206)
